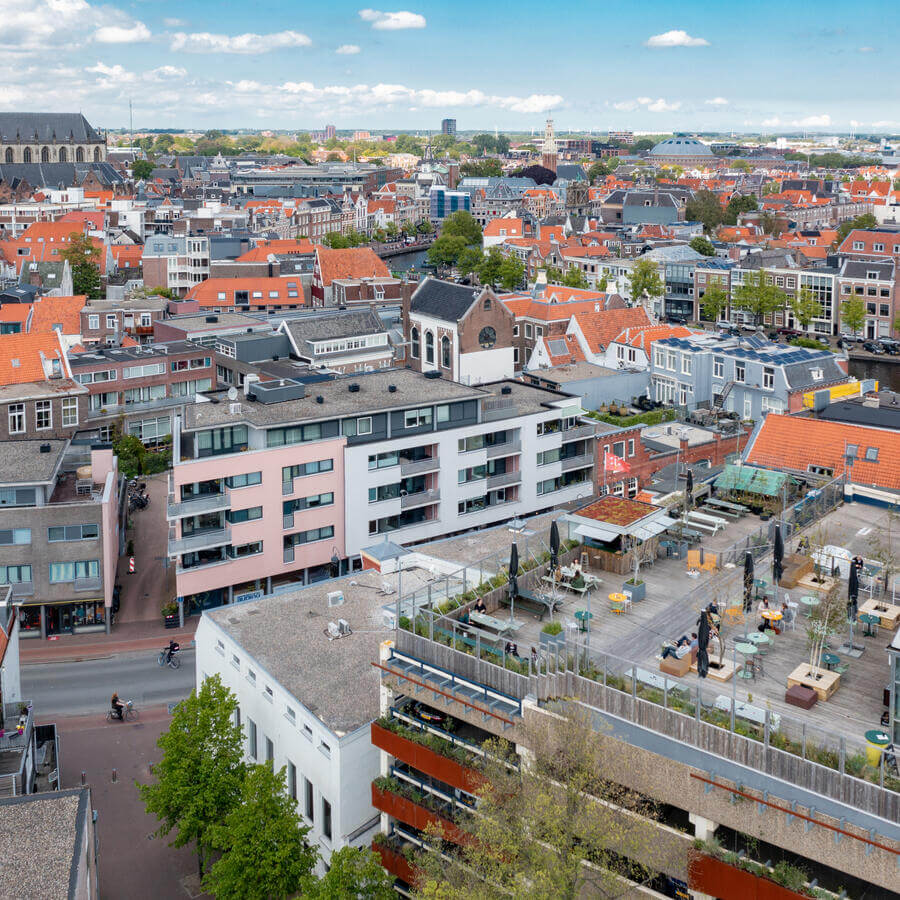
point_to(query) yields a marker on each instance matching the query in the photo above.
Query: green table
(877, 741)
(748, 650)
(830, 660)
(583, 617)
(871, 622)
(760, 640)
(809, 603)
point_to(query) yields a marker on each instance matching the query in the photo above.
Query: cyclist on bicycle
(171, 650)
(118, 707)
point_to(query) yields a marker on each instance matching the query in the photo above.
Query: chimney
(540, 285)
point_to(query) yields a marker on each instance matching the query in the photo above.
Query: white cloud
(716, 101)
(164, 72)
(348, 49)
(866, 49)
(774, 122)
(648, 103)
(822, 121)
(250, 43)
(676, 38)
(119, 34)
(115, 73)
(392, 21)
(174, 23)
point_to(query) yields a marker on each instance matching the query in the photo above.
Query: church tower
(548, 156)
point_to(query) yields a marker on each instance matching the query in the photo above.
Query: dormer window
(816, 374)
(487, 303)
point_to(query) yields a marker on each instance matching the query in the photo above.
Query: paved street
(82, 688)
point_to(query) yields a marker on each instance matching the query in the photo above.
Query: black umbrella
(513, 571)
(554, 546)
(852, 593)
(703, 644)
(748, 581)
(689, 490)
(777, 556)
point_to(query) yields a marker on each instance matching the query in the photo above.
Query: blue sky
(685, 65)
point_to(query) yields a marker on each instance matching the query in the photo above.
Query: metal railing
(420, 498)
(88, 584)
(503, 479)
(419, 466)
(579, 431)
(195, 506)
(577, 462)
(204, 541)
(510, 448)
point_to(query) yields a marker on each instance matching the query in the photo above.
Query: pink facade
(105, 471)
(270, 496)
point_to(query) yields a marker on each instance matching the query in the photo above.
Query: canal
(403, 262)
(887, 373)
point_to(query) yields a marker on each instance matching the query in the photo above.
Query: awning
(36, 601)
(597, 533)
(651, 529)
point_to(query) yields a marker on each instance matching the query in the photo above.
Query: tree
(714, 302)
(501, 144)
(866, 220)
(538, 174)
(575, 278)
(463, 224)
(469, 260)
(805, 307)
(131, 454)
(446, 250)
(490, 266)
(645, 281)
(703, 245)
(198, 779)
(602, 283)
(335, 240)
(512, 272)
(484, 143)
(552, 828)
(757, 295)
(409, 229)
(425, 226)
(353, 873)
(481, 168)
(379, 235)
(704, 207)
(81, 254)
(554, 275)
(853, 314)
(598, 170)
(141, 169)
(263, 843)
(391, 229)
(770, 223)
(738, 205)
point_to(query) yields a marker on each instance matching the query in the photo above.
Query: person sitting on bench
(578, 578)
(764, 607)
(479, 606)
(682, 647)
(511, 649)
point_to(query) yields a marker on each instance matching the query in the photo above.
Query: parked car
(790, 332)
(851, 338)
(889, 345)
(677, 320)
(872, 347)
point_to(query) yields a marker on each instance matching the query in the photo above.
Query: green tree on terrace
(83, 256)
(853, 314)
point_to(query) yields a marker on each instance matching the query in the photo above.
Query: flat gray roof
(38, 837)
(224, 320)
(22, 462)
(285, 634)
(572, 372)
(143, 353)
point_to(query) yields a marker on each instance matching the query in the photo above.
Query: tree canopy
(141, 169)
(738, 205)
(353, 873)
(714, 302)
(575, 278)
(82, 256)
(853, 314)
(757, 295)
(481, 168)
(645, 280)
(705, 207)
(805, 307)
(866, 220)
(463, 224)
(538, 174)
(703, 245)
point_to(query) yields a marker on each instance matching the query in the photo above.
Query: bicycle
(129, 713)
(172, 661)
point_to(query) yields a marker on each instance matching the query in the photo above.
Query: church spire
(549, 153)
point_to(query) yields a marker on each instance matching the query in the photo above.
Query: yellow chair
(734, 615)
(710, 562)
(693, 559)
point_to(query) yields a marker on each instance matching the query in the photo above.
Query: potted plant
(170, 614)
(552, 635)
(635, 586)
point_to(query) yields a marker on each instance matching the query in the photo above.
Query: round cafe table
(809, 603)
(830, 660)
(772, 616)
(748, 650)
(583, 617)
(876, 740)
(619, 601)
(871, 622)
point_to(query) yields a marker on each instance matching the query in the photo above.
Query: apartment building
(107, 322)
(142, 386)
(286, 481)
(875, 282)
(176, 262)
(356, 264)
(750, 377)
(59, 537)
(344, 342)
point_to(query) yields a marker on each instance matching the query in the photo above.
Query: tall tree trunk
(199, 859)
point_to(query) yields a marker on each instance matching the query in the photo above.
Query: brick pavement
(132, 863)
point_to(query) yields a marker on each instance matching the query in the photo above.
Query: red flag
(612, 463)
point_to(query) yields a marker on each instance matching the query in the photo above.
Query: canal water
(403, 262)
(887, 373)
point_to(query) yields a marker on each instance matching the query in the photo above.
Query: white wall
(9, 673)
(343, 779)
(484, 366)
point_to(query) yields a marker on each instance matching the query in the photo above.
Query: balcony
(508, 449)
(421, 498)
(88, 584)
(195, 506)
(205, 540)
(419, 466)
(405, 803)
(577, 462)
(578, 432)
(394, 862)
(23, 589)
(502, 480)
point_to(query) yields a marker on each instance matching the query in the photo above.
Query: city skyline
(366, 68)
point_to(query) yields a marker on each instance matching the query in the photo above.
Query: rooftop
(141, 353)
(22, 462)
(40, 838)
(619, 511)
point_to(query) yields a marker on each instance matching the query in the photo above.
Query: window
(16, 418)
(292, 781)
(69, 412)
(289, 473)
(429, 347)
(15, 536)
(43, 415)
(238, 551)
(631, 447)
(251, 677)
(290, 715)
(768, 378)
(529, 330)
(686, 364)
(871, 454)
(144, 371)
(301, 503)
(93, 323)
(64, 572)
(326, 818)
(144, 394)
(229, 439)
(739, 371)
(295, 434)
(414, 343)
(57, 533)
(672, 361)
(417, 418)
(237, 516)
(487, 303)
(251, 738)
(445, 352)
(239, 481)
(111, 323)
(15, 574)
(718, 367)
(309, 805)
(270, 754)
(515, 330)
(236, 663)
(310, 536)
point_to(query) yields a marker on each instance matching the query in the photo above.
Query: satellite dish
(232, 393)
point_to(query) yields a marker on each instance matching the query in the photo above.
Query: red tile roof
(868, 239)
(643, 337)
(63, 311)
(356, 262)
(601, 328)
(573, 352)
(207, 292)
(793, 442)
(21, 356)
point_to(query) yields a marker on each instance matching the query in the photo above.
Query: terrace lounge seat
(693, 559)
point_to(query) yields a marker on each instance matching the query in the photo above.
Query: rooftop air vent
(433, 374)
(392, 388)
(353, 388)
(212, 318)
(320, 399)
(506, 389)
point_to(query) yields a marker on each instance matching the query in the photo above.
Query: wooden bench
(468, 637)
(530, 602)
(731, 514)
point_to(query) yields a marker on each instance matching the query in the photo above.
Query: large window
(144, 394)
(69, 412)
(445, 352)
(384, 460)
(417, 418)
(230, 439)
(43, 415)
(237, 516)
(289, 473)
(16, 418)
(144, 371)
(15, 574)
(296, 434)
(308, 537)
(429, 347)
(415, 348)
(302, 503)
(63, 572)
(326, 818)
(188, 388)
(251, 739)
(57, 533)
(246, 480)
(15, 536)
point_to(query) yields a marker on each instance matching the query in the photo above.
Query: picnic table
(754, 714)
(686, 533)
(727, 506)
(539, 604)
(501, 626)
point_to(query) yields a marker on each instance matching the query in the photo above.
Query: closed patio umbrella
(689, 491)
(554, 546)
(852, 594)
(513, 583)
(748, 581)
(777, 556)
(703, 644)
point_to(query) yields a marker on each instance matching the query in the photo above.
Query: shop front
(66, 617)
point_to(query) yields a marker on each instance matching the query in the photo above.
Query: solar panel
(756, 342)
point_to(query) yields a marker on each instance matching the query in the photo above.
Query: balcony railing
(419, 466)
(88, 584)
(577, 462)
(578, 432)
(507, 449)
(421, 498)
(23, 589)
(195, 506)
(204, 541)
(496, 481)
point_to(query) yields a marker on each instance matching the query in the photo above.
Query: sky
(655, 66)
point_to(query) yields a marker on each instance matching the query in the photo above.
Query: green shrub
(789, 876)
(405, 623)
(654, 417)
(811, 343)
(552, 628)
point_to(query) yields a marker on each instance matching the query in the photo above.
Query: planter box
(171, 621)
(636, 591)
(715, 877)
(418, 816)
(395, 863)
(824, 686)
(552, 641)
(425, 760)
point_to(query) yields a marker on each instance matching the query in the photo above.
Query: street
(82, 688)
